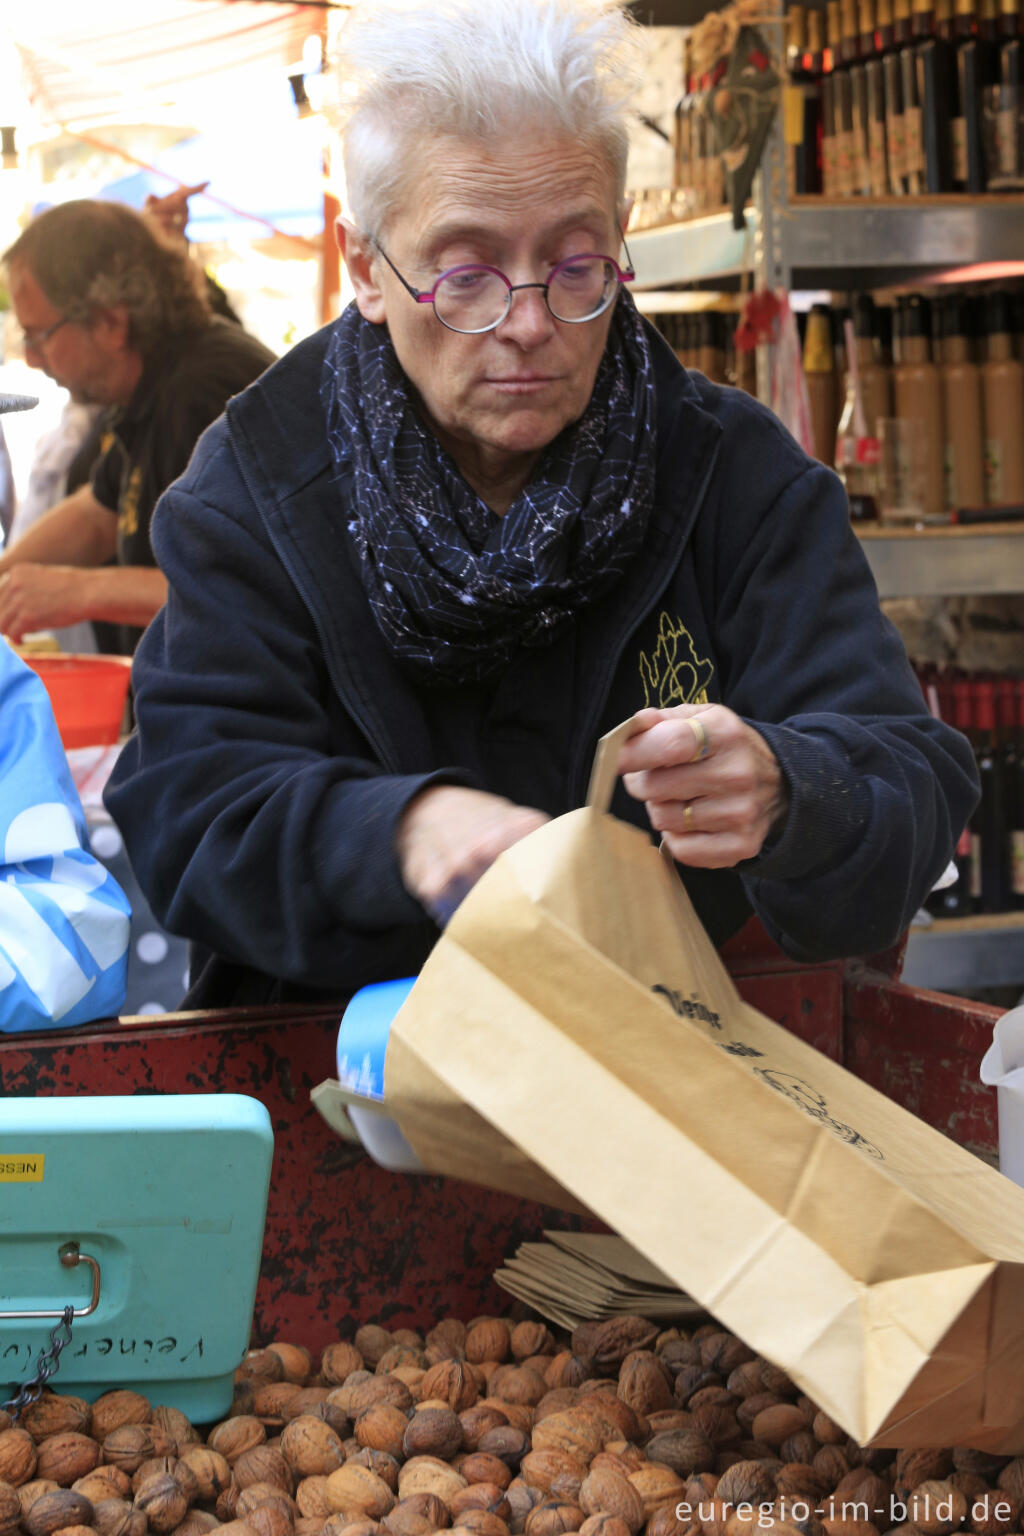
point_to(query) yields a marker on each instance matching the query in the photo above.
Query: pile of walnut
(491, 1430)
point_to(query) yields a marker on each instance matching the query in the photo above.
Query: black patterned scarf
(456, 589)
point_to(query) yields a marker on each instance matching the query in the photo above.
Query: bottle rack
(810, 242)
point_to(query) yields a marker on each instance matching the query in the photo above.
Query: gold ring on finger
(688, 817)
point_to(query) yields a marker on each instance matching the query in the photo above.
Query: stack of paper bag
(575, 1036)
(579, 1275)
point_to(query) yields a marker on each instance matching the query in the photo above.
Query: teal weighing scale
(145, 1216)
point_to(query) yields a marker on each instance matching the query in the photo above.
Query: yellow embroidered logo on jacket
(128, 511)
(673, 673)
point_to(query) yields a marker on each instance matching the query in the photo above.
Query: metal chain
(47, 1365)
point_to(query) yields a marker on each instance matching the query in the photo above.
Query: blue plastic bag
(63, 918)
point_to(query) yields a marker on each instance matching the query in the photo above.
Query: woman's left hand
(711, 784)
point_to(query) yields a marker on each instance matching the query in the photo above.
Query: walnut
(723, 1352)
(334, 1525)
(479, 1467)
(516, 1415)
(690, 1379)
(684, 1450)
(476, 1421)
(399, 1357)
(428, 1474)
(773, 1425)
(1011, 1478)
(745, 1380)
(542, 1468)
(357, 1490)
(313, 1449)
(644, 1383)
(826, 1431)
(936, 1508)
(665, 1522)
(479, 1522)
(565, 1370)
(775, 1380)
(116, 1517)
(270, 1401)
(18, 1457)
(618, 1419)
(338, 1361)
(614, 1339)
(657, 1485)
(719, 1424)
(119, 1407)
(104, 1482)
(311, 1498)
(831, 1464)
(748, 1409)
(449, 1336)
(553, 1517)
(10, 1511)
(865, 1495)
(66, 1457)
(371, 1342)
(382, 1428)
(163, 1502)
(270, 1517)
(507, 1443)
(452, 1382)
(259, 1367)
(53, 1511)
(572, 1432)
(264, 1464)
(433, 1432)
(176, 1425)
(800, 1447)
(489, 1339)
(234, 1437)
(993, 1514)
(198, 1523)
(916, 1467)
(532, 1339)
(375, 1391)
(607, 1491)
(226, 1502)
(332, 1414)
(295, 1360)
(379, 1463)
(29, 1492)
(210, 1469)
(52, 1415)
(418, 1515)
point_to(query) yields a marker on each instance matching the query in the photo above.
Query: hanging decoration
(740, 87)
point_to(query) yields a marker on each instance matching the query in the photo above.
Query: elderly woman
(431, 556)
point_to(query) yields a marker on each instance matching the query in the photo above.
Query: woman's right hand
(448, 836)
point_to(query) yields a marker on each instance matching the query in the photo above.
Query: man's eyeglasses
(35, 338)
(473, 298)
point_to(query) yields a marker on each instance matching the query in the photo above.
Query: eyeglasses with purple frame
(423, 297)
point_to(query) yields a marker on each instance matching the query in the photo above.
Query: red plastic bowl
(88, 695)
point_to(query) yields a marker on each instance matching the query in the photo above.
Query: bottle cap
(922, 7)
(866, 15)
(815, 31)
(964, 7)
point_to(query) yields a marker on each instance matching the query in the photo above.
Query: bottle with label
(829, 122)
(1002, 381)
(892, 90)
(991, 828)
(857, 448)
(814, 60)
(1011, 74)
(842, 87)
(920, 29)
(961, 398)
(871, 54)
(820, 375)
(918, 397)
(935, 77)
(856, 66)
(801, 107)
(875, 373)
(969, 79)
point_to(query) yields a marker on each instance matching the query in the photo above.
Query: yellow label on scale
(22, 1167)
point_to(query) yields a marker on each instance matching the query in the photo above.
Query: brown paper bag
(577, 1005)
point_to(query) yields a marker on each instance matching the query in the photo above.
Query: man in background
(120, 318)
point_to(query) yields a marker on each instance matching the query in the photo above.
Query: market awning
(114, 59)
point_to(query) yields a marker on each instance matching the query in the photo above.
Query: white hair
(406, 70)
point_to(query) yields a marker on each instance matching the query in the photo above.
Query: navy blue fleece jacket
(278, 741)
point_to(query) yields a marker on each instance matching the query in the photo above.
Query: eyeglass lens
(476, 298)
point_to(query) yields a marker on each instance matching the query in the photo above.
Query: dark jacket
(278, 741)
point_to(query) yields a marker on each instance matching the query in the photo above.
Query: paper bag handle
(606, 764)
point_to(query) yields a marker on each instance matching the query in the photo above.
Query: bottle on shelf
(991, 884)
(875, 373)
(856, 67)
(1002, 378)
(829, 113)
(820, 376)
(920, 29)
(918, 398)
(872, 57)
(889, 22)
(802, 105)
(857, 447)
(1011, 79)
(961, 397)
(936, 73)
(969, 78)
(842, 86)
